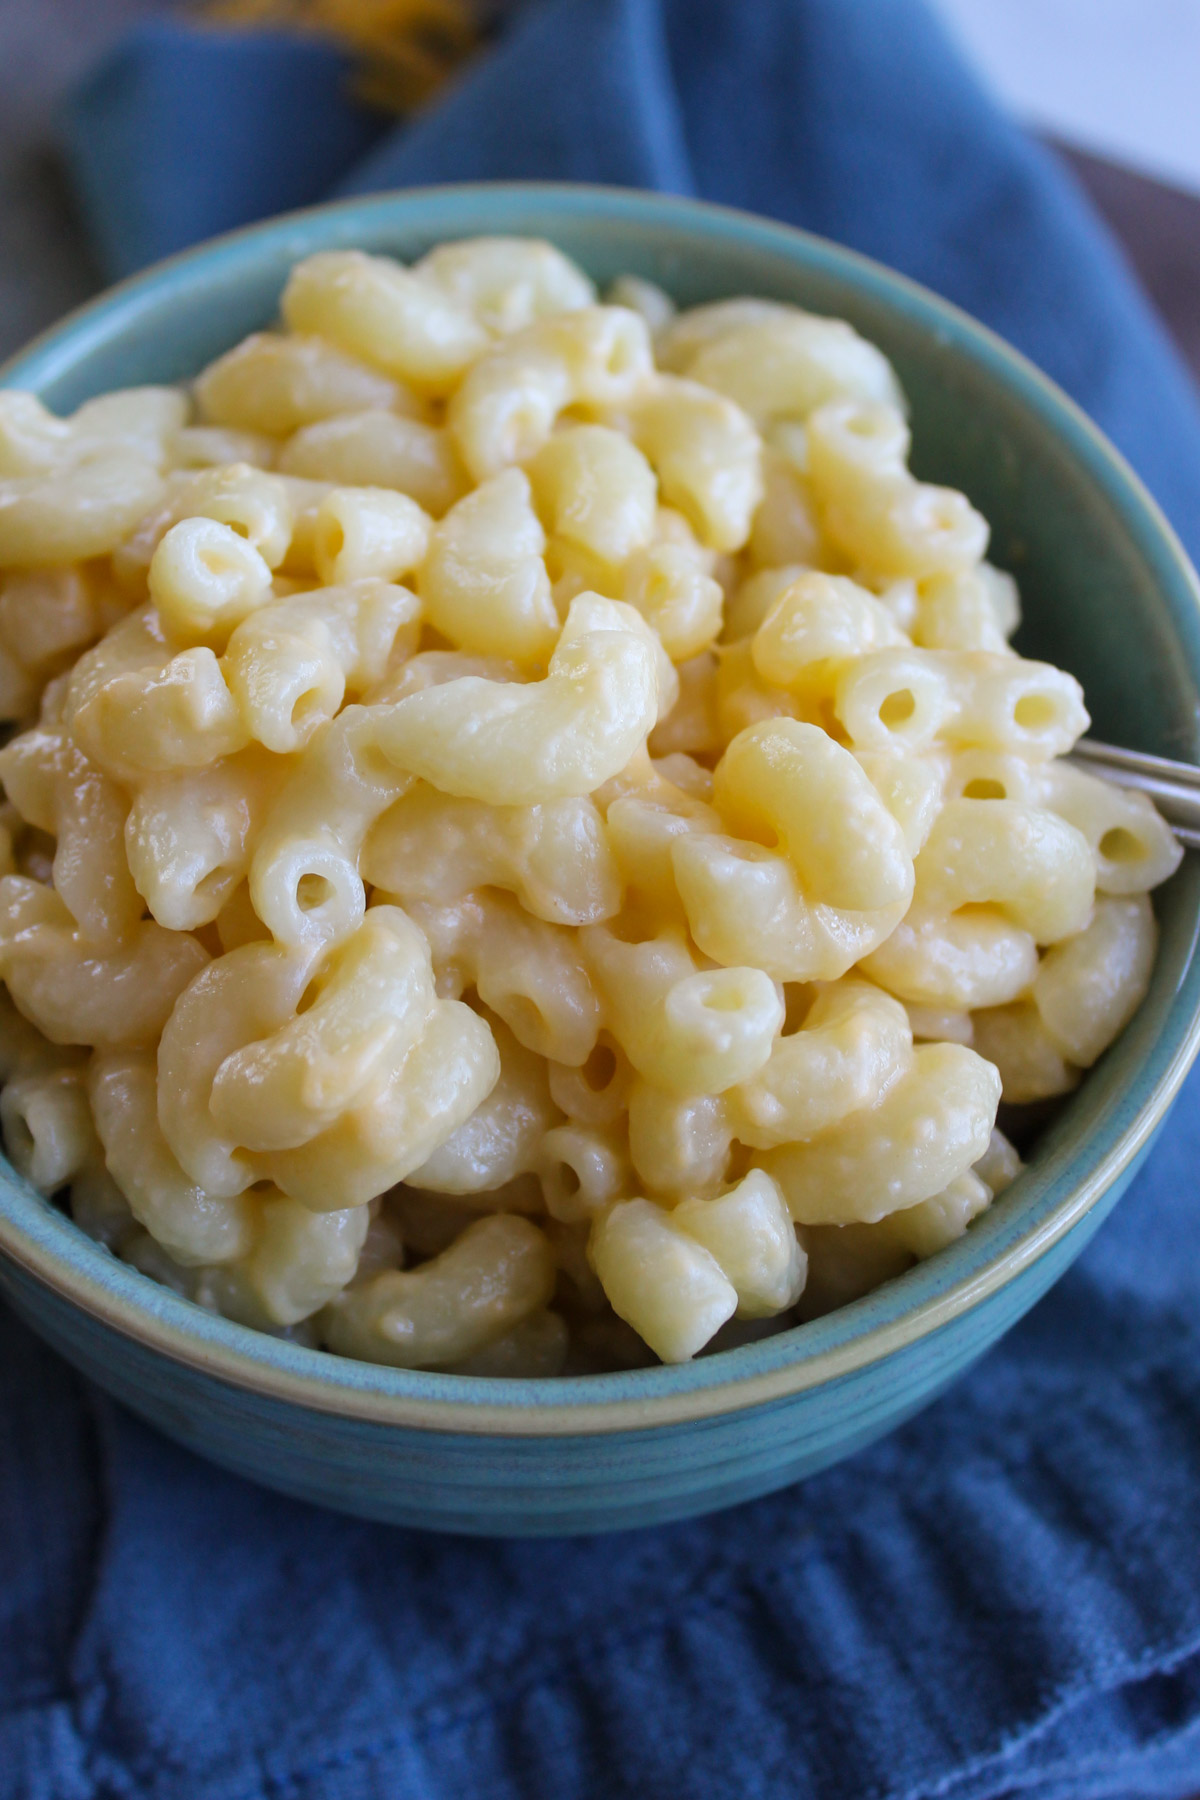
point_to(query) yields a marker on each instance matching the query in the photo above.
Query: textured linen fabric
(183, 133)
(1002, 1598)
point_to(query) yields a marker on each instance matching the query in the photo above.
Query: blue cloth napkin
(1003, 1598)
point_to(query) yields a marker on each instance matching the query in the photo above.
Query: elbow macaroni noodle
(525, 837)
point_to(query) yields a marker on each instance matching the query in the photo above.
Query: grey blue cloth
(1003, 1598)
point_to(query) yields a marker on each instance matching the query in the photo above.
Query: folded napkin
(1003, 1597)
(183, 133)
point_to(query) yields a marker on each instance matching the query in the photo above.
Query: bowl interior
(1106, 591)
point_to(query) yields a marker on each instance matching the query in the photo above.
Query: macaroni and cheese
(526, 844)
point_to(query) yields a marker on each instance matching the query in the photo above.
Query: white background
(1117, 77)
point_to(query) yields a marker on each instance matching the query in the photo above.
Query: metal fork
(1174, 787)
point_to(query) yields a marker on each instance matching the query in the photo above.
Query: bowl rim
(45, 1244)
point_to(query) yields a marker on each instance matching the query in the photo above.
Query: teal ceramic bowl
(1108, 594)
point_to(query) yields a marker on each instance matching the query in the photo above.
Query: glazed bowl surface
(1107, 593)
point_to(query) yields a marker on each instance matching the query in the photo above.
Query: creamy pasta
(526, 844)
